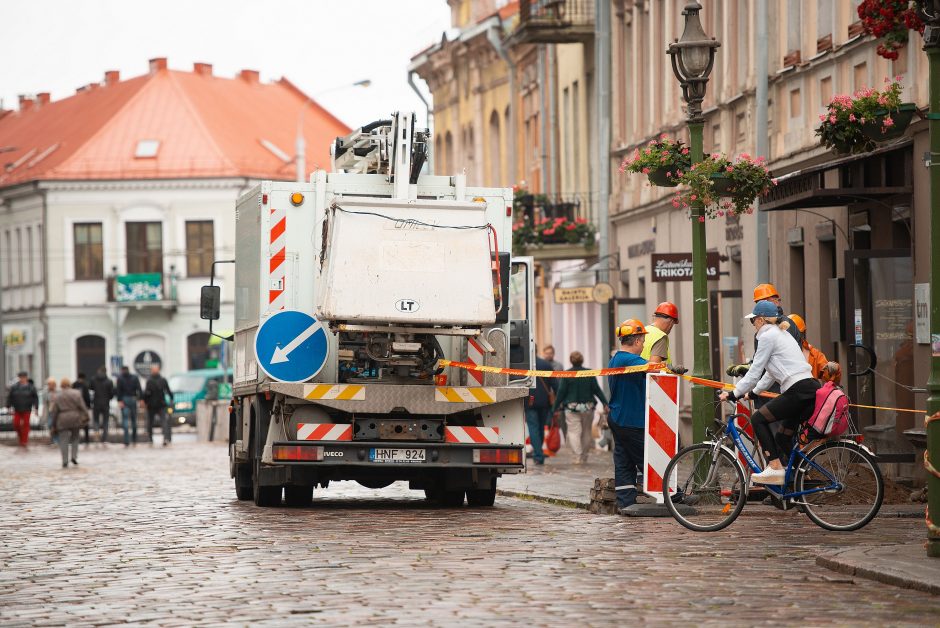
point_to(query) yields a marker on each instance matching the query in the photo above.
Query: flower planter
(902, 116)
(555, 238)
(722, 185)
(658, 177)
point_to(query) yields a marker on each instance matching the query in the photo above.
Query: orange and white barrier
(662, 432)
(324, 431)
(471, 434)
(475, 356)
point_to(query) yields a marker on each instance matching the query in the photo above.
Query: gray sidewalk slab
(906, 566)
(560, 480)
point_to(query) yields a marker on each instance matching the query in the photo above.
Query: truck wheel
(481, 497)
(452, 499)
(264, 495)
(298, 496)
(243, 488)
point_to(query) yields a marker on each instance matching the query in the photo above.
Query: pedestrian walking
(103, 389)
(579, 396)
(69, 415)
(627, 411)
(47, 397)
(548, 354)
(656, 342)
(538, 409)
(81, 385)
(129, 395)
(156, 396)
(22, 398)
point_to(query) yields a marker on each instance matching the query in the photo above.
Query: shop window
(89, 256)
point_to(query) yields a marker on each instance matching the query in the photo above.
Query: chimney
(42, 98)
(157, 64)
(26, 103)
(249, 76)
(202, 69)
(112, 77)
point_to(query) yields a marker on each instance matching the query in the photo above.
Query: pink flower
(701, 218)
(888, 122)
(663, 160)
(745, 156)
(822, 117)
(851, 117)
(549, 232)
(862, 120)
(684, 151)
(832, 119)
(669, 173)
(721, 214)
(675, 202)
(571, 227)
(581, 221)
(750, 210)
(646, 170)
(694, 197)
(729, 169)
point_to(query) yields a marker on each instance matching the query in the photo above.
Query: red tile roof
(207, 126)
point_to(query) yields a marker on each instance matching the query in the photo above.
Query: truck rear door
(521, 319)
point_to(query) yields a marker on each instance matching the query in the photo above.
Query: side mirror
(210, 300)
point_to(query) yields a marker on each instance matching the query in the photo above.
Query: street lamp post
(693, 56)
(929, 11)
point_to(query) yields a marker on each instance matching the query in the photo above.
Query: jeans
(100, 418)
(129, 418)
(66, 438)
(160, 416)
(628, 459)
(580, 437)
(536, 419)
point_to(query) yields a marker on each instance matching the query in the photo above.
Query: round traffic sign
(291, 346)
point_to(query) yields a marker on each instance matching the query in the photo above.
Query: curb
(555, 501)
(858, 562)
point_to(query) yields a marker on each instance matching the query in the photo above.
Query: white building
(114, 203)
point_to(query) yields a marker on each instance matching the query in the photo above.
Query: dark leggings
(791, 409)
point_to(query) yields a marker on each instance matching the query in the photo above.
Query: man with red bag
(627, 411)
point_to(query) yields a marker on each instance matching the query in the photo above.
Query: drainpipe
(602, 57)
(543, 117)
(430, 117)
(492, 34)
(553, 120)
(763, 254)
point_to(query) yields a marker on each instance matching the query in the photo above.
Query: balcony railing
(141, 289)
(554, 22)
(550, 230)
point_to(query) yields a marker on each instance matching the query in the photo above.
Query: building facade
(115, 203)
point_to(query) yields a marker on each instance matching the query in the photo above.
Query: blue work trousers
(628, 459)
(536, 419)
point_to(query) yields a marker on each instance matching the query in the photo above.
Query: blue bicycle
(837, 483)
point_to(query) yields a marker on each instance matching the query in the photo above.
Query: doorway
(724, 316)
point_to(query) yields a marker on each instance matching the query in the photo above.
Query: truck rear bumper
(498, 458)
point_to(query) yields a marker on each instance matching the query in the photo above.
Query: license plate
(397, 455)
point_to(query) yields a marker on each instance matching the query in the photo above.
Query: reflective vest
(653, 334)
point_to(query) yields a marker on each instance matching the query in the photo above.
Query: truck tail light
(497, 456)
(440, 380)
(304, 453)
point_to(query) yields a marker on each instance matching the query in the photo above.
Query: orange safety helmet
(765, 291)
(630, 327)
(799, 322)
(667, 309)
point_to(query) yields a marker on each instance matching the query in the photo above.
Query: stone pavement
(154, 535)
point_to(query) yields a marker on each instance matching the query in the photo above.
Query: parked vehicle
(192, 386)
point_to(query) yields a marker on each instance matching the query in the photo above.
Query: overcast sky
(59, 45)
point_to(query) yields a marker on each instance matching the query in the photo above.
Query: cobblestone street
(156, 535)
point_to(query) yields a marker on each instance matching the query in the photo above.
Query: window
(30, 262)
(200, 248)
(89, 354)
(89, 259)
(144, 247)
(825, 91)
(197, 346)
(860, 76)
(496, 166)
(575, 145)
(795, 109)
(147, 149)
(19, 258)
(8, 261)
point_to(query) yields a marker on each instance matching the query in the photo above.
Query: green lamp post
(929, 11)
(693, 56)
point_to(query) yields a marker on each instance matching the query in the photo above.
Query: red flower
(571, 227)
(581, 221)
(548, 232)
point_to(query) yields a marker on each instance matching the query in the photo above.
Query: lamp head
(694, 52)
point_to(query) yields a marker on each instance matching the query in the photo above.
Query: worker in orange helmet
(656, 342)
(823, 369)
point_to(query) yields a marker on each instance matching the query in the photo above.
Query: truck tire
(298, 496)
(264, 495)
(481, 497)
(452, 499)
(243, 489)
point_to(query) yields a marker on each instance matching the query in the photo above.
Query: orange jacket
(818, 361)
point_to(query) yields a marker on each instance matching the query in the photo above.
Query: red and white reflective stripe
(324, 431)
(475, 356)
(662, 431)
(277, 259)
(469, 434)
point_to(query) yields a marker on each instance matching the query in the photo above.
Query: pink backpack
(831, 412)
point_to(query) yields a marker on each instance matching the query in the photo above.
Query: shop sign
(17, 339)
(145, 360)
(859, 336)
(641, 248)
(602, 293)
(678, 266)
(139, 287)
(922, 313)
(584, 294)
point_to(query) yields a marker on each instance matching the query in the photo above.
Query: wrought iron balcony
(554, 22)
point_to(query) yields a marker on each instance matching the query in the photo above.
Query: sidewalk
(906, 566)
(560, 480)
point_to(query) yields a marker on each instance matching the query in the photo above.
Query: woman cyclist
(780, 360)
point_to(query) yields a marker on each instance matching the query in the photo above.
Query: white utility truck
(348, 291)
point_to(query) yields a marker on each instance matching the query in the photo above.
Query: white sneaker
(769, 476)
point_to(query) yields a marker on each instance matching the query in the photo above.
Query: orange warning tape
(620, 370)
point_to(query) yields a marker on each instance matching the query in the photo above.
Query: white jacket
(778, 358)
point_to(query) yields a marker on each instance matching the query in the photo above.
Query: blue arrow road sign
(291, 346)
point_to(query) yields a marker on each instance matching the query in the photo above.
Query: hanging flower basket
(740, 183)
(888, 125)
(722, 185)
(663, 161)
(663, 177)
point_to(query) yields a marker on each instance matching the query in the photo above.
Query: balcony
(551, 231)
(554, 22)
(140, 290)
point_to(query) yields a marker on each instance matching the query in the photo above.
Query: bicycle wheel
(857, 499)
(712, 488)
